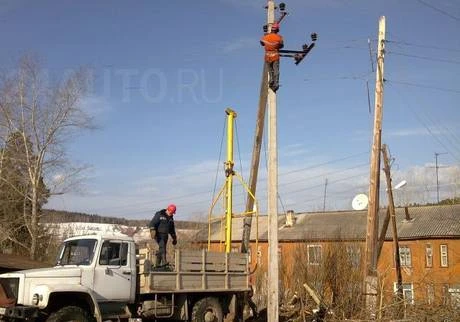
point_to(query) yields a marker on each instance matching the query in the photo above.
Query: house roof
(425, 222)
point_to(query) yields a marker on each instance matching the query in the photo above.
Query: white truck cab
(98, 277)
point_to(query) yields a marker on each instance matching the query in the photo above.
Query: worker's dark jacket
(163, 224)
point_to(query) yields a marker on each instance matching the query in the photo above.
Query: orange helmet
(171, 209)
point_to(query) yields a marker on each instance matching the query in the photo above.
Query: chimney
(290, 218)
(406, 211)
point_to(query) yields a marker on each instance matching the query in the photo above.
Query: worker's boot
(158, 259)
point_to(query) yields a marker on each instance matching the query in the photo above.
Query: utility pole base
(370, 289)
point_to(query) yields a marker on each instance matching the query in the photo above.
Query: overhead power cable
(218, 162)
(422, 86)
(438, 10)
(430, 131)
(421, 46)
(426, 58)
(204, 192)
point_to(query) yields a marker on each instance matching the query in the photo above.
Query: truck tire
(207, 309)
(70, 313)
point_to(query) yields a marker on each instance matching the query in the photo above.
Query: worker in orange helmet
(272, 43)
(162, 225)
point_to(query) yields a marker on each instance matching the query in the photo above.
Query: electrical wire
(424, 57)
(422, 86)
(218, 162)
(151, 203)
(429, 130)
(438, 10)
(420, 46)
(238, 147)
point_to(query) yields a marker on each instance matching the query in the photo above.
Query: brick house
(429, 245)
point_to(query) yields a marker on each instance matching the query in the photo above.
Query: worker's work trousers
(162, 240)
(274, 74)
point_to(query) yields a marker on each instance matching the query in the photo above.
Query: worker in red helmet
(162, 225)
(272, 43)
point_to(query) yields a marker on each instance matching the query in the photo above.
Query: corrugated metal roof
(429, 221)
(425, 222)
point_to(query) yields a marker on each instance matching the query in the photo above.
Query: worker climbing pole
(298, 56)
(273, 44)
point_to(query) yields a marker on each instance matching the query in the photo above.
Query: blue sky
(163, 73)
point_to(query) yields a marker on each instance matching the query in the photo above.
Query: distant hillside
(60, 216)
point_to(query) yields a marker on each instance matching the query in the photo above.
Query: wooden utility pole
(255, 159)
(391, 209)
(370, 273)
(272, 206)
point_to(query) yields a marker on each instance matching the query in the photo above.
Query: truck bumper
(18, 312)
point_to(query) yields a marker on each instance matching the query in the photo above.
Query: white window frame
(405, 256)
(444, 255)
(408, 291)
(318, 254)
(354, 255)
(429, 255)
(430, 294)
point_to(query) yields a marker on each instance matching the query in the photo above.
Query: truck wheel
(207, 309)
(69, 314)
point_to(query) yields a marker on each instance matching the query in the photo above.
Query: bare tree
(44, 115)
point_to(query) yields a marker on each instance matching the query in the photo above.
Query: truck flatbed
(196, 270)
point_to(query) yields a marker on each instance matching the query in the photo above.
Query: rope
(218, 162)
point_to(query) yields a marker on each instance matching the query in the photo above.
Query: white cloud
(301, 188)
(408, 132)
(95, 105)
(238, 44)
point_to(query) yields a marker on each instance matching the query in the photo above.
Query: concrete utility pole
(272, 207)
(370, 273)
(391, 209)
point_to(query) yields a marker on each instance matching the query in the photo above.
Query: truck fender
(44, 292)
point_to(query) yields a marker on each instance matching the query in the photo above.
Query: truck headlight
(36, 298)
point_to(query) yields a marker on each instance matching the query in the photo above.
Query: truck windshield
(77, 252)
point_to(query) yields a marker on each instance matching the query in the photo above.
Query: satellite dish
(360, 202)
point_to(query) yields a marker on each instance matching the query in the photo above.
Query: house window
(454, 294)
(430, 294)
(428, 255)
(405, 256)
(444, 256)
(354, 255)
(314, 254)
(408, 292)
(445, 294)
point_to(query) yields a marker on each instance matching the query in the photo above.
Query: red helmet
(275, 26)
(171, 209)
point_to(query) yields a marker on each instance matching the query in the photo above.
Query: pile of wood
(297, 310)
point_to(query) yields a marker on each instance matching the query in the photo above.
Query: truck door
(114, 279)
